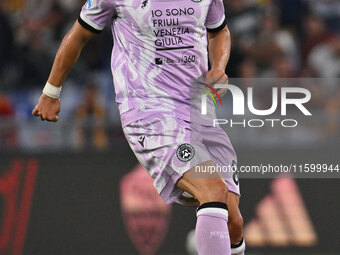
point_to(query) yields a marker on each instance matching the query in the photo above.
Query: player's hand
(47, 108)
(216, 76)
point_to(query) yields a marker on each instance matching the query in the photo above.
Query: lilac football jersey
(160, 47)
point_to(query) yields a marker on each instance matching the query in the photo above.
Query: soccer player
(160, 47)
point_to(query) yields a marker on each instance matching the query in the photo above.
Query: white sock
(239, 248)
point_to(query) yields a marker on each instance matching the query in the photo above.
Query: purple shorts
(167, 147)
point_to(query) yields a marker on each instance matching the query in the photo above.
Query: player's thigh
(205, 188)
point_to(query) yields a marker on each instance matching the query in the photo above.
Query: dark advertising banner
(94, 203)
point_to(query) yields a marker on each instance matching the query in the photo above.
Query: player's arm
(219, 49)
(69, 52)
(48, 107)
(219, 45)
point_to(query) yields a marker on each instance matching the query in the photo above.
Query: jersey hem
(217, 27)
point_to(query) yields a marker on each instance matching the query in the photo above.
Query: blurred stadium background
(64, 187)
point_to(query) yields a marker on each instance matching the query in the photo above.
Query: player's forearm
(66, 57)
(68, 54)
(219, 49)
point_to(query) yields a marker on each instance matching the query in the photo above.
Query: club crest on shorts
(185, 152)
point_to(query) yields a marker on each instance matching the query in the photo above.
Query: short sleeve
(216, 19)
(95, 14)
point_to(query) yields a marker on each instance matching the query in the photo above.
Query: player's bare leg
(212, 235)
(235, 225)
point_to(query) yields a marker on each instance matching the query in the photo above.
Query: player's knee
(215, 190)
(236, 229)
